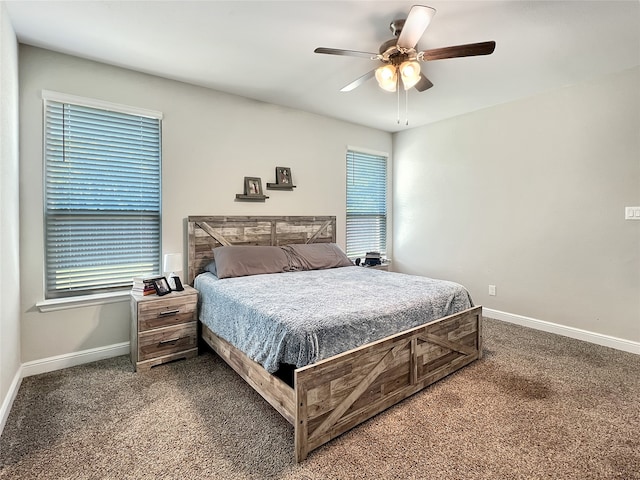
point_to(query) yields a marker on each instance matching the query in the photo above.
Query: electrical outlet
(492, 290)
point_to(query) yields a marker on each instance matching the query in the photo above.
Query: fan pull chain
(398, 98)
(406, 107)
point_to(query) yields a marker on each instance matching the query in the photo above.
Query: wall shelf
(280, 186)
(251, 198)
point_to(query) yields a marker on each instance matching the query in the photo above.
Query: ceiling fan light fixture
(387, 77)
(399, 56)
(410, 73)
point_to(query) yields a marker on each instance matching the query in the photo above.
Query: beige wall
(9, 219)
(529, 196)
(211, 141)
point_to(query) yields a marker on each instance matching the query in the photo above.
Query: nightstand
(163, 328)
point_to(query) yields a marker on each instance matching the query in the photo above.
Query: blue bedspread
(302, 317)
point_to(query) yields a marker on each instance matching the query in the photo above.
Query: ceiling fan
(399, 57)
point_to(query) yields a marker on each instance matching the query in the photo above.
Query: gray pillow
(239, 261)
(318, 256)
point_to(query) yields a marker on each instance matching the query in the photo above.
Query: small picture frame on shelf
(283, 176)
(161, 285)
(253, 186)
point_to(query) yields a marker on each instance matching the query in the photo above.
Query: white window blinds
(366, 203)
(102, 198)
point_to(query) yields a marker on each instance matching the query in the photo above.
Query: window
(366, 203)
(102, 196)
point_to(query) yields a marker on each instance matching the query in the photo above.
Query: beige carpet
(538, 406)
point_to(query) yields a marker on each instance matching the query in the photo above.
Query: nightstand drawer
(163, 313)
(165, 341)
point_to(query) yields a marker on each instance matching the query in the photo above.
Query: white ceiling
(264, 49)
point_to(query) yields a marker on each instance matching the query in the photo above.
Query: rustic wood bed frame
(334, 395)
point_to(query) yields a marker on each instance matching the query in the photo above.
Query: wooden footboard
(336, 394)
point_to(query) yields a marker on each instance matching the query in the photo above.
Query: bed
(326, 386)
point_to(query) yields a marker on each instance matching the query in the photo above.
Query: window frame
(387, 188)
(106, 293)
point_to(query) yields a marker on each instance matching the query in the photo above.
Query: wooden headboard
(206, 233)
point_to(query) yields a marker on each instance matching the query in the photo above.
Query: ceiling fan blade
(359, 81)
(469, 50)
(415, 25)
(348, 53)
(423, 84)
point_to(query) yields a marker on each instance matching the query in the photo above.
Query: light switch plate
(632, 213)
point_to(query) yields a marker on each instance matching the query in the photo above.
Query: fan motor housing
(387, 45)
(390, 53)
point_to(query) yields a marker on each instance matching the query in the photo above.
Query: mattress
(299, 318)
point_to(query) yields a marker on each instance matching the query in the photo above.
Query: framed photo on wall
(253, 186)
(283, 176)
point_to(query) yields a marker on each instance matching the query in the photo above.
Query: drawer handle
(166, 313)
(168, 342)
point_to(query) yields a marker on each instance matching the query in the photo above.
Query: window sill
(55, 304)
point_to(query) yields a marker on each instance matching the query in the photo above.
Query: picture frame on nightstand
(161, 285)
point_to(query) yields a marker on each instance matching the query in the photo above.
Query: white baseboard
(592, 337)
(59, 362)
(9, 398)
